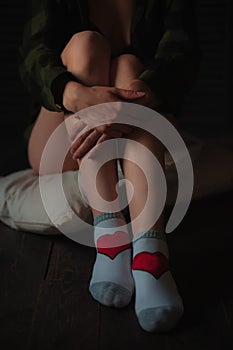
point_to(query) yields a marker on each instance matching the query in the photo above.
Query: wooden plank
(201, 260)
(70, 261)
(200, 254)
(24, 259)
(202, 327)
(66, 316)
(120, 330)
(10, 242)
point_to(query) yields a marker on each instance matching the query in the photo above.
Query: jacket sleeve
(39, 54)
(176, 60)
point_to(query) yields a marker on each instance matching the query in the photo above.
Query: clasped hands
(137, 92)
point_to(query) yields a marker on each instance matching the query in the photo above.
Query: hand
(86, 143)
(84, 135)
(80, 97)
(77, 96)
(149, 99)
(91, 137)
(110, 129)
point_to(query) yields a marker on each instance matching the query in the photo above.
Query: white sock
(158, 304)
(112, 282)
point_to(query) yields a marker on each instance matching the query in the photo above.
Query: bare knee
(85, 51)
(129, 60)
(125, 68)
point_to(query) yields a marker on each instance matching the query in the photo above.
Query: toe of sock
(160, 319)
(110, 294)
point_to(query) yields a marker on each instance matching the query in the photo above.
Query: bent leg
(140, 178)
(125, 69)
(158, 304)
(86, 56)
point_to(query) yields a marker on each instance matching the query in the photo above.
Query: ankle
(101, 217)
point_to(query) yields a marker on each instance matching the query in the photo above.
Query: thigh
(45, 125)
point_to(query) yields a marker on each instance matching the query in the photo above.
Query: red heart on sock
(154, 263)
(112, 245)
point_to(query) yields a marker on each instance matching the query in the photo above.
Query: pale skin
(88, 57)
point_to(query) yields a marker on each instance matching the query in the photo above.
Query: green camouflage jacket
(159, 36)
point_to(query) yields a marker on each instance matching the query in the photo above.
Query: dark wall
(210, 99)
(208, 102)
(13, 96)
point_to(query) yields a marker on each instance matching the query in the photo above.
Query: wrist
(151, 98)
(73, 95)
(58, 87)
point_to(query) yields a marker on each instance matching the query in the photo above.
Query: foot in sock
(158, 304)
(112, 282)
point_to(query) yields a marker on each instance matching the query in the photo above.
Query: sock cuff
(107, 216)
(149, 234)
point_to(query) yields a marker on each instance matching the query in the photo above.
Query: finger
(79, 138)
(129, 94)
(103, 128)
(86, 145)
(114, 133)
(76, 129)
(77, 143)
(93, 151)
(103, 138)
(87, 137)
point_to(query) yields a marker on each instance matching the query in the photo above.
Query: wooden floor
(45, 303)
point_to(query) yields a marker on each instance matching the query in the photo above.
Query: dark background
(207, 106)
